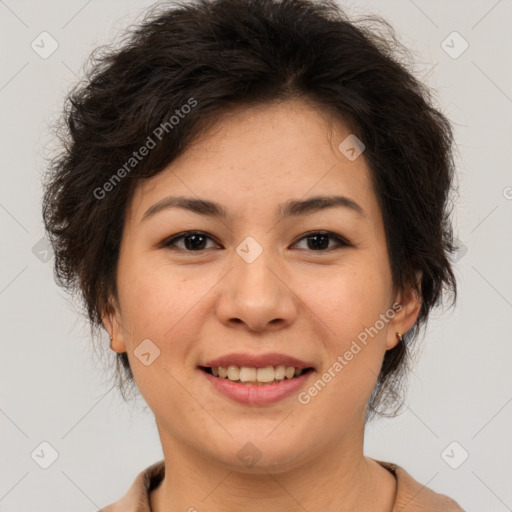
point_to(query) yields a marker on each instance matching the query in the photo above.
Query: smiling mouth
(256, 376)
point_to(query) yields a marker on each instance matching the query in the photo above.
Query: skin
(292, 299)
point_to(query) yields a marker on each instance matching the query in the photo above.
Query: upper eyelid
(336, 237)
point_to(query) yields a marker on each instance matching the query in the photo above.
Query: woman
(252, 202)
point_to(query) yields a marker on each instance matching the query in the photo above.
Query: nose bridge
(254, 268)
(254, 292)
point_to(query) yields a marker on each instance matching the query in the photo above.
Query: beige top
(411, 496)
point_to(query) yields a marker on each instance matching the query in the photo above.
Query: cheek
(162, 307)
(154, 315)
(354, 297)
(353, 307)
(155, 298)
(166, 305)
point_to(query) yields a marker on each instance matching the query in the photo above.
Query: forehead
(255, 158)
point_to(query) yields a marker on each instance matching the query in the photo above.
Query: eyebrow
(291, 208)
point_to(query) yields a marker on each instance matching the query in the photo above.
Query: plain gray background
(52, 384)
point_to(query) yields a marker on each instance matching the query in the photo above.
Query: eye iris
(324, 244)
(197, 241)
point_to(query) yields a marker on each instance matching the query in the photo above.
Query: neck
(338, 479)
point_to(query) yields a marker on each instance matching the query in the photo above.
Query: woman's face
(256, 282)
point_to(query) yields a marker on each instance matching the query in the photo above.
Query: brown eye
(319, 241)
(193, 241)
(197, 241)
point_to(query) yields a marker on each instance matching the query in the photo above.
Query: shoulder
(411, 496)
(137, 497)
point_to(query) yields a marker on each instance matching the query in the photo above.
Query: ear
(111, 320)
(407, 308)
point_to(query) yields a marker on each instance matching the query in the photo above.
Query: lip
(258, 361)
(258, 395)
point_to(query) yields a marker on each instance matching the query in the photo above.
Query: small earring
(399, 336)
(111, 343)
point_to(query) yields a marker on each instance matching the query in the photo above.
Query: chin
(259, 455)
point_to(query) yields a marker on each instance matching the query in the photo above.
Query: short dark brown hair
(218, 54)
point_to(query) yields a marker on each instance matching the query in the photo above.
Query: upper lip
(257, 361)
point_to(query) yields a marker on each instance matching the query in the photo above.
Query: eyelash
(170, 242)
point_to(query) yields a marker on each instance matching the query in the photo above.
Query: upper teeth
(247, 374)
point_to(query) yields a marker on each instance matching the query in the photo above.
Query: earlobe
(117, 345)
(112, 325)
(392, 342)
(405, 317)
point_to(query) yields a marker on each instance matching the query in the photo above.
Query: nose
(257, 296)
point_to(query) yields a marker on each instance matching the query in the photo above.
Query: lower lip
(258, 395)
